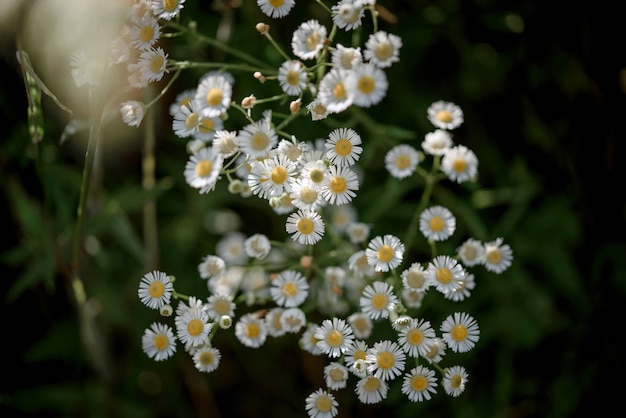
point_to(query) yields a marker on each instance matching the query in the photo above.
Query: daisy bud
(225, 322)
(248, 102)
(306, 261)
(262, 28)
(294, 107)
(166, 310)
(259, 76)
(234, 187)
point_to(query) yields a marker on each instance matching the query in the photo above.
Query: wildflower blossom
(219, 305)
(211, 266)
(385, 360)
(132, 112)
(292, 77)
(385, 253)
(334, 336)
(459, 163)
(401, 161)
(206, 359)
(413, 278)
(370, 85)
(203, 169)
(155, 289)
(158, 342)
(289, 288)
(336, 90)
(382, 49)
(343, 145)
(346, 57)
(167, 9)
(307, 227)
(152, 64)
(417, 338)
(145, 32)
(321, 404)
(378, 300)
(276, 8)
(371, 389)
(498, 256)
(251, 330)
(308, 39)
(437, 223)
(419, 383)
(471, 252)
(336, 376)
(437, 142)
(445, 115)
(213, 94)
(454, 380)
(257, 246)
(341, 185)
(444, 273)
(460, 332)
(347, 14)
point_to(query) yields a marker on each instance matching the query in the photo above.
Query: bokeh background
(542, 87)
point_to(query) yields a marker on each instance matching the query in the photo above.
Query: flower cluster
(328, 280)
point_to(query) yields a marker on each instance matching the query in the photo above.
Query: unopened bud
(248, 102)
(263, 28)
(294, 107)
(306, 261)
(259, 76)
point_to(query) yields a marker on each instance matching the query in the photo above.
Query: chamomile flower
(211, 266)
(145, 32)
(220, 304)
(437, 142)
(306, 227)
(437, 223)
(251, 330)
(459, 163)
(378, 300)
(412, 298)
(321, 403)
(471, 252)
(460, 332)
(316, 172)
(414, 278)
(401, 161)
(419, 383)
(385, 360)
(308, 341)
(358, 232)
(385, 253)
(272, 322)
(292, 149)
(292, 320)
(192, 326)
(498, 256)
(276, 8)
(289, 289)
(207, 125)
(213, 94)
(167, 9)
(454, 380)
(158, 341)
(336, 376)
(206, 358)
(347, 14)
(357, 351)
(306, 195)
(231, 248)
(317, 110)
(334, 336)
(155, 289)
(370, 85)
(257, 246)
(436, 351)
(257, 139)
(308, 39)
(341, 186)
(359, 265)
(361, 324)
(132, 112)
(371, 389)
(186, 120)
(346, 57)
(184, 98)
(417, 338)
(464, 290)
(152, 64)
(445, 273)
(225, 143)
(203, 169)
(272, 176)
(382, 49)
(445, 115)
(336, 90)
(343, 147)
(292, 77)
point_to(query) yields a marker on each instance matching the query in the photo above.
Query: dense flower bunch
(327, 280)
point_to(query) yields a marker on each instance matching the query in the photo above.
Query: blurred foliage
(543, 112)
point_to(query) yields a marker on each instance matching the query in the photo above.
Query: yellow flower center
(279, 175)
(436, 223)
(156, 289)
(444, 116)
(494, 256)
(385, 360)
(402, 162)
(312, 41)
(455, 381)
(214, 96)
(334, 338)
(339, 91)
(185, 101)
(191, 121)
(305, 226)
(161, 341)
(419, 383)
(360, 355)
(459, 165)
(383, 51)
(252, 330)
(170, 5)
(380, 301)
(366, 84)
(292, 78)
(415, 337)
(385, 253)
(289, 289)
(337, 375)
(360, 324)
(206, 358)
(469, 252)
(316, 175)
(343, 147)
(276, 3)
(371, 384)
(146, 33)
(319, 109)
(323, 403)
(195, 327)
(203, 168)
(337, 184)
(459, 332)
(222, 307)
(444, 275)
(308, 195)
(206, 125)
(157, 63)
(415, 279)
(259, 141)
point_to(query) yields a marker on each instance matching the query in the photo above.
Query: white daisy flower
(316, 172)
(370, 85)
(167, 9)
(184, 98)
(358, 232)
(257, 139)
(292, 77)
(292, 149)
(385, 253)
(385, 360)
(321, 403)
(273, 324)
(219, 305)
(346, 57)
(336, 90)
(437, 223)
(454, 380)
(207, 125)
(382, 49)
(414, 278)
(445, 273)
(231, 248)
(342, 182)
(207, 358)
(471, 252)
(445, 115)
(289, 289)
(401, 161)
(347, 14)
(192, 326)
(417, 338)
(257, 246)
(498, 256)
(317, 110)
(361, 324)
(211, 266)
(412, 298)
(436, 351)
(359, 265)
(308, 39)
(155, 289)
(225, 143)
(203, 169)
(357, 351)
(152, 64)
(306, 227)
(460, 332)
(251, 330)
(272, 176)
(145, 32)
(186, 120)
(306, 195)
(343, 147)
(460, 164)
(370, 389)
(437, 142)
(378, 300)
(213, 95)
(132, 112)
(464, 290)
(292, 320)
(308, 341)
(336, 376)
(334, 336)
(158, 342)
(276, 8)
(419, 383)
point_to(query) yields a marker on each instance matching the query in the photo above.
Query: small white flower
(445, 115)
(158, 342)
